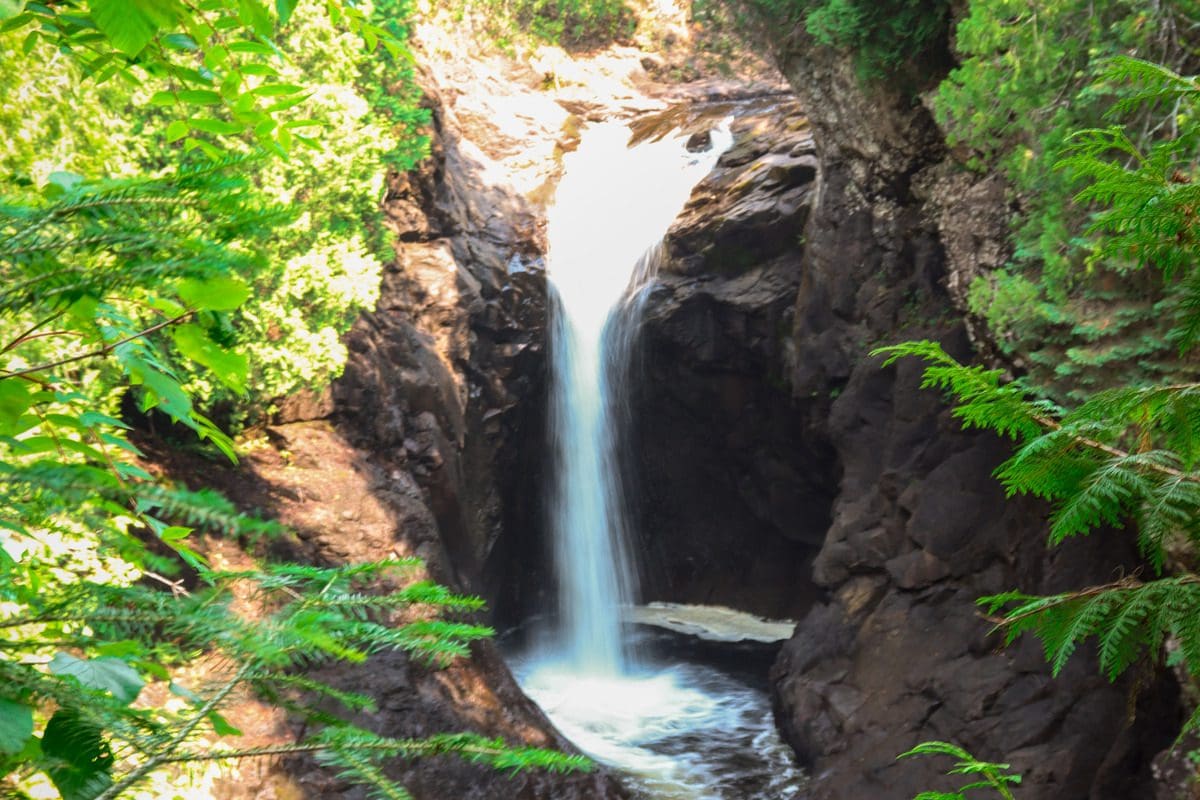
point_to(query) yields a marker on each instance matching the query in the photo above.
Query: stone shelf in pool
(711, 623)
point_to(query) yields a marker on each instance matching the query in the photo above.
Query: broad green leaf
(190, 556)
(95, 419)
(180, 41)
(17, 22)
(231, 368)
(174, 533)
(221, 725)
(121, 649)
(84, 310)
(85, 450)
(168, 307)
(255, 14)
(16, 726)
(162, 391)
(33, 445)
(66, 421)
(131, 24)
(191, 143)
(215, 126)
(121, 442)
(261, 70)
(255, 48)
(284, 105)
(213, 294)
(199, 97)
(106, 673)
(80, 761)
(215, 57)
(284, 9)
(15, 399)
(10, 8)
(177, 130)
(277, 90)
(59, 183)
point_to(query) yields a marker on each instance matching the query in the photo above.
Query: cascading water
(675, 729)
(592, 273)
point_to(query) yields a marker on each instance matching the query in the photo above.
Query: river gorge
(619, 373)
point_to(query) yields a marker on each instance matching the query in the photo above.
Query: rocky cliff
(919, 527)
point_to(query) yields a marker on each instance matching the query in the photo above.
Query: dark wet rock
(732, 492)
(699, 142)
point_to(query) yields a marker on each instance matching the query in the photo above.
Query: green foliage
(570, 23)
(1127, 453)
(214, 62)
(1031, 76)
(314, 615)
(987, 775)
(147, 285)
(882, 35)
(315, 274)
(1128, 619)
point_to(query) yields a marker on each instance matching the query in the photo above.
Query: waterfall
(605, 230)
(678, 731)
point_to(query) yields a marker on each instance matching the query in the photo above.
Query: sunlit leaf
(106, 673)
(214, 294)
(131, 24)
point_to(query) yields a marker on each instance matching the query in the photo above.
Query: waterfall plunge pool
(688, 719)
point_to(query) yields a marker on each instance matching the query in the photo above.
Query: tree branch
(103, 351)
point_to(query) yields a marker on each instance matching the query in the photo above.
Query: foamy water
(675, 732)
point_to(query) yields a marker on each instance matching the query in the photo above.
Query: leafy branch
(990, 775)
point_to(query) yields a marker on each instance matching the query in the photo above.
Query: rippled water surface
(683, 731)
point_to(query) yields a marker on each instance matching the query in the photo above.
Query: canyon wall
(775, 466)
(920, 528)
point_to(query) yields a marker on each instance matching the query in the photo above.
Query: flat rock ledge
(712, 623)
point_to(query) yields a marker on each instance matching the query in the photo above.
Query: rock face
(919, 528)
(732, 485)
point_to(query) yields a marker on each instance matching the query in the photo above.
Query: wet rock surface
(731, 481)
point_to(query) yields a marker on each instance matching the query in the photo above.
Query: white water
(682, 731)
(612, 208)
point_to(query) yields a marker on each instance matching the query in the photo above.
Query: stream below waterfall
(684, 724)
(677, 727)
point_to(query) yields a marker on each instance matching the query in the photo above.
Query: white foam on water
(683, 732)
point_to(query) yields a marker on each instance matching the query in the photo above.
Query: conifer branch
(161, 757)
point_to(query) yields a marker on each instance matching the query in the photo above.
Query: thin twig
(103, 351)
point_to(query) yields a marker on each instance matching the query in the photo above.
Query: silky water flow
(678, 731)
